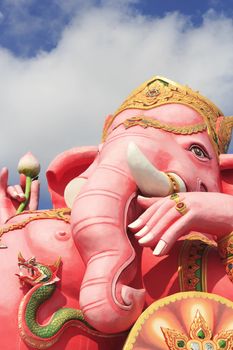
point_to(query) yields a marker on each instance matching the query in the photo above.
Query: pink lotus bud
(29, 165)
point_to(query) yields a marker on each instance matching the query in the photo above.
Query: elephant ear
(226, 170)
(66, 167)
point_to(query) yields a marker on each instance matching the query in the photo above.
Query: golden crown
(160, 91)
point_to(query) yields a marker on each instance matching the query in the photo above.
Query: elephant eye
(199, 152)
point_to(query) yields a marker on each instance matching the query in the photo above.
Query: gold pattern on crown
(224, 133)
(146, 122)
(200, 337)
(160, 91)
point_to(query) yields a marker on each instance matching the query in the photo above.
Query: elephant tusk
(150, 181)
(73, 189)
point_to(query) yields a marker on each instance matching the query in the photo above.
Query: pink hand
(12, 196)
(161, 224)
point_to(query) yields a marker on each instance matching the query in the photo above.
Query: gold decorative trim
(229, 269)
(200, 337)
(192, 269)
(59, 214)
(146, 122)
(204, 268)
(224, 132)
(225, 247)
(197, 236)
(107, 124)
(174, 186)
(131, 340)
(160, 91)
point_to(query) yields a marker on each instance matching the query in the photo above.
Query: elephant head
(164, 138)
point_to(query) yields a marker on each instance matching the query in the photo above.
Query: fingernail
(135, 224)
(141, 197)
(160, 247)
(141, 232)
(21, 195)
(3, 246)
(146, 239)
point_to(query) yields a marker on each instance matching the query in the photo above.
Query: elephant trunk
(99, 220)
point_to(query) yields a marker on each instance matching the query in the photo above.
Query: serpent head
(33, 272)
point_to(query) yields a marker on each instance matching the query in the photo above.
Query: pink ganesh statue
(137, 252)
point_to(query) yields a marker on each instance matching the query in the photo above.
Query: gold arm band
(225, 249)
(174, 184)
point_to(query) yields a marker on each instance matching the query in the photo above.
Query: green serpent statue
(43, 278)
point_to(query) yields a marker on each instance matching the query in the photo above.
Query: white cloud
(59, 99)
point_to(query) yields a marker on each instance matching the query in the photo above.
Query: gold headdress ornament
(160, 91)
(200, 337)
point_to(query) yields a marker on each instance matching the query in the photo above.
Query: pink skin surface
(102, 271)
(45, 239)
(99, 212)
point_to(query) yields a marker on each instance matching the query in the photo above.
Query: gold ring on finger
(181, 208)
(175, 197)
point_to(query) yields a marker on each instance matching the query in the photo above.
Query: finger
(20, 192)
(155, 218)
(13, 193)
(145, 217)
(146, 202)
(173, 233)
(159, 223)
(3, 180)
(34, 197)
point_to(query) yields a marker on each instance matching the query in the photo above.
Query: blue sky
(29, 26)
(192, 8)
(66, 64)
